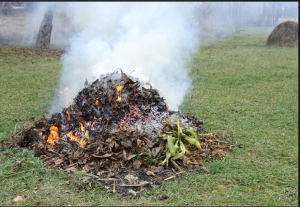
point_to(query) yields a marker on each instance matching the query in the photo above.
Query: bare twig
(234, 144)
(170, 178)
(136, 185)
(13, 174)
(216, 140)
(131, 72)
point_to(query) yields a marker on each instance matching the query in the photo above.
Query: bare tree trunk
(44, 34)
(9, 8)
(3, 2)
(230, 14)
(238, 16)
(264, 14)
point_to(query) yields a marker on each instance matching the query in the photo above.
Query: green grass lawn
(240, 86)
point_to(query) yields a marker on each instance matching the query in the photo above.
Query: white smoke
(155, 39)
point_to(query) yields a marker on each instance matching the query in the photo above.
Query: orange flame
(61, 91)
(97, 102)
(107, 122)
(82, 127)
(119, 88)
(53, 136)
(121, 126)
(66, 88)
(41, 134)
(69, 117)
(95, 117)
(74, 138)
(71, 136)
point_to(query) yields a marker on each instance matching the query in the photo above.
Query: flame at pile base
(53, 136)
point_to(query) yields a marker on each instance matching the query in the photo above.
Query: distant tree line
(237, 14)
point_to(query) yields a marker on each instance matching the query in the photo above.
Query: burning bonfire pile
(115, 124)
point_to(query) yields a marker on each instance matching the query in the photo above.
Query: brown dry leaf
(124, 155)
(130, 157)
(205, 170)
(163, 197)
(112, 143)
(155, 151)
(103, 156)
(18, 198)
(155, 169)
(116, 145)
(82, 161)
(126, 143)
(58, 161)
(110, 175)
(40, 179)
(185, 160)
(148, 142)
(19, 164)
(50, 150)
(70, 169)
(86, 168)
(100, 172)
(139, 142)
(78, 154)
(109, 98)
(40, 145)
(109, 140)
(137, 164)
(150, 173)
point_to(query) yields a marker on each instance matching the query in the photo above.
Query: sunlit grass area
(240, 86)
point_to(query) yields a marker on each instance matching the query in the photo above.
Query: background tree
(44, 34)
(8, 5)
(238, 10)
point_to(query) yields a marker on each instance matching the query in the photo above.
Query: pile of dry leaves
(114, 126)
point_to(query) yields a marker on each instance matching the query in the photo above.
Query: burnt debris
(114, 124)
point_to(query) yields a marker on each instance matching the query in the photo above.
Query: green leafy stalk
(189, 132)
(178, 126)
(171, 145)
(191, 140)
(168, 155)
(170, 120)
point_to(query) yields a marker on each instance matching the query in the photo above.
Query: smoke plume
(152, 38)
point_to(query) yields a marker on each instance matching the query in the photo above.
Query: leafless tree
(238, 10)
(44, 34)
(8, 4)
(202, 10)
